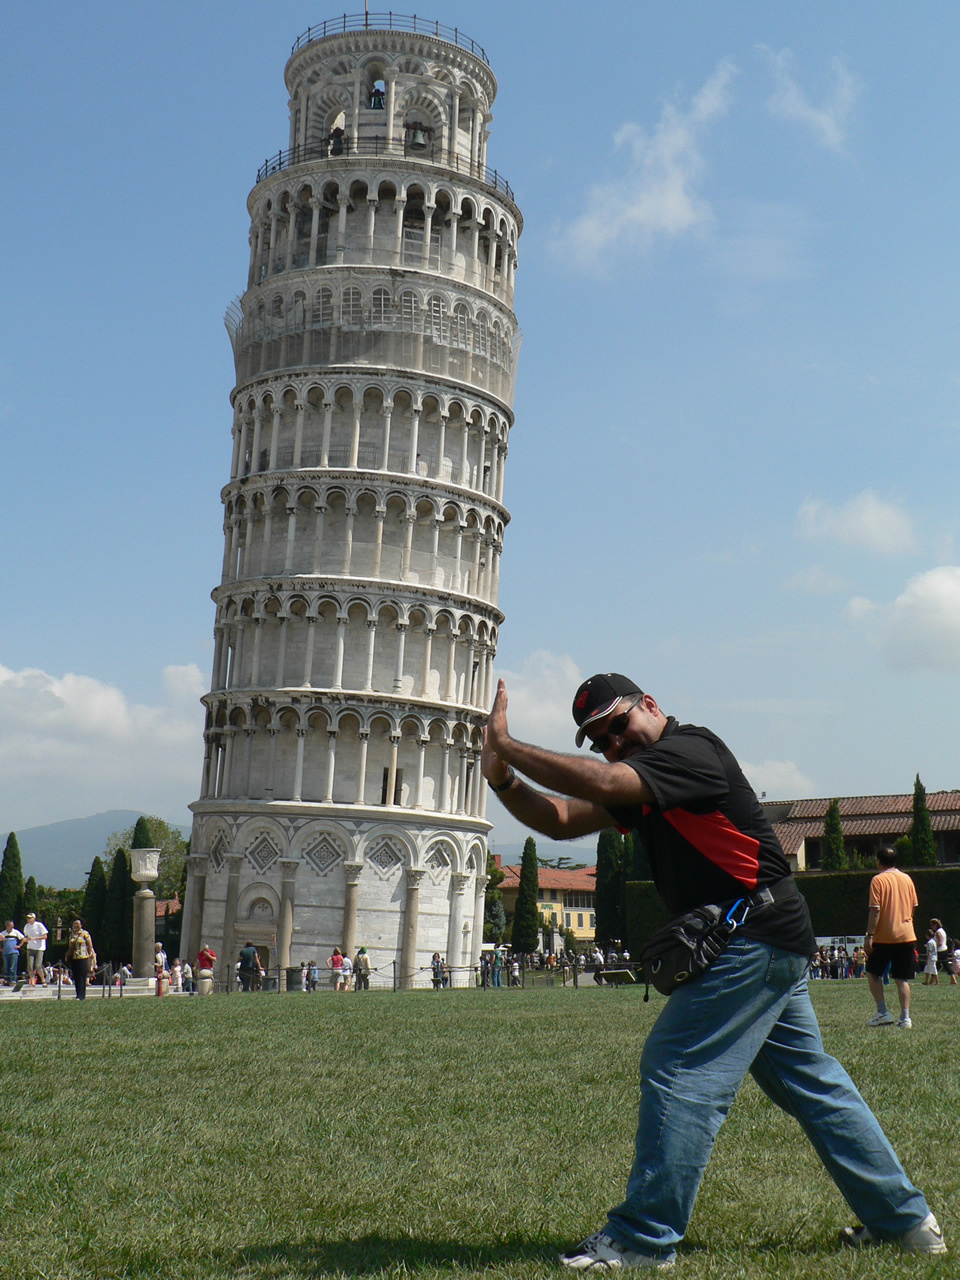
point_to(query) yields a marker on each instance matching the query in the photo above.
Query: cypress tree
(635, 861)
(609, 903)
(118, 911)
(142, 835)
(494, 916)
(11, 883)
(31, 898)
(94, 902)
(923, 846)
(526, 919)
(833, 856)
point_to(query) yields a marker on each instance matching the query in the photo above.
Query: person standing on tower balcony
(681, 791)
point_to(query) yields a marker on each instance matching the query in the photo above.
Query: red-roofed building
(569, 896)
(867, 821)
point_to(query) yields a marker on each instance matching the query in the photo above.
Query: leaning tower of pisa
(356, 617)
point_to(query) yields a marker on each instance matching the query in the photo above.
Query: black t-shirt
(707, 838)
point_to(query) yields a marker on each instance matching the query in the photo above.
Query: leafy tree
(11, 882)
(31, 898)
(64, 905)
(117, 943)
(609, 908)
(570, 941)
(94, 900)
(153, 833)
(833, 856)
(526, 915)
(923, 846)
(902, 849)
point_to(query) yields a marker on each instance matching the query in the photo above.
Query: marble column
(288, 867)
(228, 953)
(351, 872)
(191, 933)
(458, 884)
(411, 921)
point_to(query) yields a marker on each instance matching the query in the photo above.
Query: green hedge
(837, 902)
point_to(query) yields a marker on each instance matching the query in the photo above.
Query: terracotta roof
(854, 806)
(173, 903)
(583, 880)
(792, 834)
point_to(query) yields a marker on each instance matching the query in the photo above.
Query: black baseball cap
(598, 696)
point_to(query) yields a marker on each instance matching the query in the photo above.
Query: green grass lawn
(384, 1135)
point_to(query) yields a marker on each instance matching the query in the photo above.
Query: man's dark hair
(887, 856)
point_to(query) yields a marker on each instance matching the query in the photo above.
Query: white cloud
(780, 779)
(540, 696)
(71, 745)
(865, 521)
(815, 581)
(657, 193)
(860, 607)
(828, 122)
(921, 629)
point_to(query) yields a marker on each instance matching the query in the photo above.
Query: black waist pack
(689, 944)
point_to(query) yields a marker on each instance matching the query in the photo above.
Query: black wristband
(499, 788)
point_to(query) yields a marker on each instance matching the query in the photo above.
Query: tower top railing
(389, 22)
(344, 148)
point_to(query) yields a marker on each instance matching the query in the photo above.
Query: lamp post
(144, 868)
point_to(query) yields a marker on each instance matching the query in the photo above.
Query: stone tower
(356, 619)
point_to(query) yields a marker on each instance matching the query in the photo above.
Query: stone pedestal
(144, 933)
(205, 982)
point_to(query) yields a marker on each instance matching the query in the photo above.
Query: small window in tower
(351, 309)
(380, 314)
(438, 319)
(338, 137)
(276, 308)
(397, 789)
(481, 344)
(323, 308)
(461, 327)
(408, 312)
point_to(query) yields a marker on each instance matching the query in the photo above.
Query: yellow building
(568, 896)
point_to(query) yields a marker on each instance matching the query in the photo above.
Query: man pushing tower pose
(679, 788)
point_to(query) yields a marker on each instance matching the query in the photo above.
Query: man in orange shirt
(891, 938)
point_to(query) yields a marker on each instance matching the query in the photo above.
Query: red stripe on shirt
(718, 839)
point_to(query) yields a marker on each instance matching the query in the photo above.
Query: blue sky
(734, 468)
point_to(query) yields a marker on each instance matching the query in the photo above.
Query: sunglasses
(616, 726)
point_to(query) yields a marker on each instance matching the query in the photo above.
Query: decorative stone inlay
(263, 853)
(219, 853)
(322, 855)
(385, 858)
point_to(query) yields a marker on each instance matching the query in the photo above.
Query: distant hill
(60, 854)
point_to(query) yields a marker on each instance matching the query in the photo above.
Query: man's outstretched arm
(597, 781)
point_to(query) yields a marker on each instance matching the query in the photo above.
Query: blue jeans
(11, 960)
(497, 977)
(751, 1012)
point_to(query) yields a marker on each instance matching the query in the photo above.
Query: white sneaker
(926, 1237)
(881, 1020)
(904, 1024)
(600, 1252)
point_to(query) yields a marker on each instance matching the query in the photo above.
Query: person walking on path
(36, 935)
(13, 939)
(81, 957)
(943, 953)
(891, 938)
(361, 967)
(682, 793)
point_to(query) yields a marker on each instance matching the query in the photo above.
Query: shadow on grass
(376, 1255)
